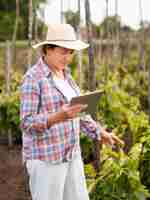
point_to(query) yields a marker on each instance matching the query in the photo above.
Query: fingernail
(85, 106)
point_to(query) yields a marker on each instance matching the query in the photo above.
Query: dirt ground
(12, 175)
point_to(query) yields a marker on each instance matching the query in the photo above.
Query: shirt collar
(47, 70)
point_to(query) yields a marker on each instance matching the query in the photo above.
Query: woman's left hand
(110, 138)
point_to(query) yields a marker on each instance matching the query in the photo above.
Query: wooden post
(116, 42)
(92, 77)
(16, 25)
(141, 40)
(80, 77)
(148, 64)
(35, 22)
(30, 7)
(108, 59)
(7, 78)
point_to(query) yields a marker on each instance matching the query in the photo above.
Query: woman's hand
(72, 111)
(67, 112)
(110, 138)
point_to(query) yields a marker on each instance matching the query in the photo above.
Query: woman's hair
(45, 47)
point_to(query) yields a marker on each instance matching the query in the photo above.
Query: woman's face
(58, 57)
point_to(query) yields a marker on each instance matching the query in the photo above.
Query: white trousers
(64, 181)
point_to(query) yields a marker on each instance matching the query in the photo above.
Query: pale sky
(127, 9)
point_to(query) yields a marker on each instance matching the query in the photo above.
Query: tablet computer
(91, 99)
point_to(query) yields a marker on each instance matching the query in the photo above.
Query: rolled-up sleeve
(31, 120)
(90, 127)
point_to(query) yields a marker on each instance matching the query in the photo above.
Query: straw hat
(62, 35)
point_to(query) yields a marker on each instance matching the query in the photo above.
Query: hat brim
(74, 45)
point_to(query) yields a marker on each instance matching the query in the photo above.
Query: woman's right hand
(67, 112)
(71, 111)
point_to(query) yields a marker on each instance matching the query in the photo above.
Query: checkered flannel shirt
(39, 98)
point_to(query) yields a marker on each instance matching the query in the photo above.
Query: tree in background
(8, 18)
(72, 18)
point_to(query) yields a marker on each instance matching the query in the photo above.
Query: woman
(50, 126)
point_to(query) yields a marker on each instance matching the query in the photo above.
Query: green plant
(86, 148)
(9, 108)
(9, 114)
(144, 165)
(118, 179)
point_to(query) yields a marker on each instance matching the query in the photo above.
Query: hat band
(61, 40)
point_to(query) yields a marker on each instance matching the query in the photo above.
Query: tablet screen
(90, 99)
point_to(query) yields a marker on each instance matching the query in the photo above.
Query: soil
(13, 179)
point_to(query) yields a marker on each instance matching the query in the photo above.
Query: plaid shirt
(39, 98)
